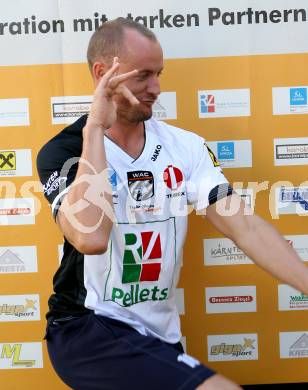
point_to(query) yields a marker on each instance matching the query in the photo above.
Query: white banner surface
(199, 28)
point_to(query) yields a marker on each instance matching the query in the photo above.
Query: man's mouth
(148, 102)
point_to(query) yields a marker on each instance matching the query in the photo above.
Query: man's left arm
(260, 241)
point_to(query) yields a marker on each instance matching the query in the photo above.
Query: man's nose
(154, 86)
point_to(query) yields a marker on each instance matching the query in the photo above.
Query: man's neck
(129, 137)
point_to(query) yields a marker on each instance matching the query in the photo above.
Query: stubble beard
(134, 115)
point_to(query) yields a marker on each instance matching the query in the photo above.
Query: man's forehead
(141, 51)
(135, 40)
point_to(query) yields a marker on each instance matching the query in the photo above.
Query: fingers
(128, 95)
(116, 80)
(107, 76)
(112, 84)
(111, 79)
(111, 72)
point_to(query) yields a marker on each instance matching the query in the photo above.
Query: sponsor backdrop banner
(235, 73)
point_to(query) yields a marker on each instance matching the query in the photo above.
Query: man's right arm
(86, 213)
(88, 230)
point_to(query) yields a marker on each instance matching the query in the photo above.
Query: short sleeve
(57, 167)
(206, 183)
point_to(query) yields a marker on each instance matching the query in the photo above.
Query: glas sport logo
(140, 264)
(207, 104)
(26, 310)
(234, 349)
(298, 96)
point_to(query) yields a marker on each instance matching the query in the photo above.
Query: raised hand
(103, 109)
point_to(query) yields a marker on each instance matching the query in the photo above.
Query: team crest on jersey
(141, 185)
(213, 157)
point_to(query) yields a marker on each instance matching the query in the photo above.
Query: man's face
(145, 55)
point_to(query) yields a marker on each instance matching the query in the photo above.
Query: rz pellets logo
(139, 251)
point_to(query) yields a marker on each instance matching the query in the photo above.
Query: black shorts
(98, 353)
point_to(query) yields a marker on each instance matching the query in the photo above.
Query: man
(119, 183)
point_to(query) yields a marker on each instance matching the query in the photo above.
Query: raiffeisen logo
(7, 160)
(140, 264)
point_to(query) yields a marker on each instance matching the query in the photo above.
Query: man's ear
(98, 70)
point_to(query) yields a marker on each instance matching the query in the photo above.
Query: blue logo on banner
(225, 150)
(298, 96)
(113, 180)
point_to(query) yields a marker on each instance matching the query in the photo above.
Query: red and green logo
(140, 251)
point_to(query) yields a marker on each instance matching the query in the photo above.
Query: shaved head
(107, 41)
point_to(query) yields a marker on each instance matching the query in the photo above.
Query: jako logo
(139, 249)
(207, 104)
(156, 152)
(298, 96)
